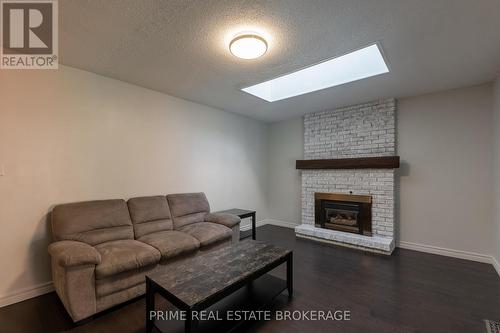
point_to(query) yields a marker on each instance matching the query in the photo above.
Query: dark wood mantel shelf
(381, 162)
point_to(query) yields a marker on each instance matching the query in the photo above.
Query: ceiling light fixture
(248, 46)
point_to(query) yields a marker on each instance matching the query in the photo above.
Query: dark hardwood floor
(406, 292)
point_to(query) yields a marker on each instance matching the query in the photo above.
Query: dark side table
(243, 213)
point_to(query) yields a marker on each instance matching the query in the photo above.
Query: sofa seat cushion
(171, 243)
(124, 255)
(207, 233)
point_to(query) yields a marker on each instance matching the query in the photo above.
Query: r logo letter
(35, 20)
(16, 17)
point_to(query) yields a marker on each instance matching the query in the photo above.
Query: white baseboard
(279, 223)
(44, 288)
(447, 252)
(260, 223)
(495, 264)
(26, 293)
(484, 258)
(248, 226)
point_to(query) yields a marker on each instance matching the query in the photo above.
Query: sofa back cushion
(187, 208)
(92, 222)
(149, 214)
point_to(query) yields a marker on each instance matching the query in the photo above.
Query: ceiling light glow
(248, 46)
(353, 66)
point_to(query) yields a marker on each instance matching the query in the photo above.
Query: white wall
(70, 135)
(496, 168)
(285, 146)
(445, 142)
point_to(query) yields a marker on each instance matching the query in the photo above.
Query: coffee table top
(193, 280)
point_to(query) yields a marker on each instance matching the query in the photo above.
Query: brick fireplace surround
(364, 130)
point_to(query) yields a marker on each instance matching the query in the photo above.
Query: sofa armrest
(72, 253)
(229, 220)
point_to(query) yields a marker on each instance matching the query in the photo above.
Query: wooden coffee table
(210, 279)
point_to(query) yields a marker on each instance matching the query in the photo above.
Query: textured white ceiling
(180, 46)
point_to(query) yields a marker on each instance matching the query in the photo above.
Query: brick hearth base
(373, 244)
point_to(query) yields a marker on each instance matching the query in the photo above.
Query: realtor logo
(29, 38)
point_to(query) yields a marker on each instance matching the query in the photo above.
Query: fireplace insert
(349, 213)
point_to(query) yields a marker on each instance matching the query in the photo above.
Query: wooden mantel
(381, 162)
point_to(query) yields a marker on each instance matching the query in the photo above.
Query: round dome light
(248, 46)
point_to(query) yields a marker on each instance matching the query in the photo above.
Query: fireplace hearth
(343, 212)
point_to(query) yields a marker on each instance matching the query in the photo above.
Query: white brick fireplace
(365, 130)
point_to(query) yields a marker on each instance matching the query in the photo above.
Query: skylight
(350, 67)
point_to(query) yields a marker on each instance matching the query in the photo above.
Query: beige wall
(496, 168)
(445, 142)
(285, 146)
(70, 135)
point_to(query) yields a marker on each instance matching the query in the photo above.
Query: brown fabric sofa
(103, 249)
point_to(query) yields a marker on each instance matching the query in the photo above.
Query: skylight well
(353, 66)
